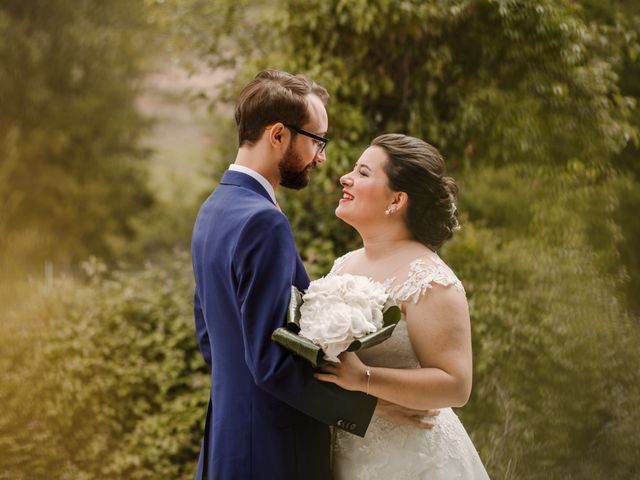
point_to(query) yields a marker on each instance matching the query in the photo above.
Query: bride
(403, 207)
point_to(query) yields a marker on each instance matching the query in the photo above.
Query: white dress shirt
(252, 173)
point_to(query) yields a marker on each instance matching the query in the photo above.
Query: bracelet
(368, 372)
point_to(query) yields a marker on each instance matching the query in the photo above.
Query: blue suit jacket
(269, 417)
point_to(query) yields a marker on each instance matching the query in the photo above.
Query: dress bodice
(423, 273)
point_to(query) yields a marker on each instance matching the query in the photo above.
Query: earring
(390, 210)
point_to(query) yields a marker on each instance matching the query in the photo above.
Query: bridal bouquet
(336, 314)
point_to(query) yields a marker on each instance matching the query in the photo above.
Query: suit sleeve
(202, 335)
(265, 265)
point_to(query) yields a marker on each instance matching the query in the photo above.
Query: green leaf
(299, 345)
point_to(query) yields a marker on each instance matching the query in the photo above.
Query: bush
(554, 348)
(102, 379)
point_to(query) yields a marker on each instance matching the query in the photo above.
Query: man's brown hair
(274, 96)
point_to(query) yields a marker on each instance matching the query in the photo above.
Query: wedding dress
(391, 451)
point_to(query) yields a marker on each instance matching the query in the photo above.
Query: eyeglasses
(321, 142)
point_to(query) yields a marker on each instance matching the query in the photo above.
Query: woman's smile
(346, 196)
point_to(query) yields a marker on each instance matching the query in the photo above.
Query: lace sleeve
(421, 277)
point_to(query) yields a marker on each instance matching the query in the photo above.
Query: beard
(292, 174)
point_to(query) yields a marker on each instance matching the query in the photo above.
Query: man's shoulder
(264, 230)
(245, 209)
(241, 196)
(266, 219)
(234, 208)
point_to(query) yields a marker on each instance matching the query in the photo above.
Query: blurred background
(116, 121)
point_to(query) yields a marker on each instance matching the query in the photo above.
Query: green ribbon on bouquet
(288, 336)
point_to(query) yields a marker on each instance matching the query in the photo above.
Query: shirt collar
(252, 173)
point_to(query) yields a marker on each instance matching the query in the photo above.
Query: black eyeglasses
(320, 141)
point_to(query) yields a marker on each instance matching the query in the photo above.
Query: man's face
(303, 153)
(293, 173)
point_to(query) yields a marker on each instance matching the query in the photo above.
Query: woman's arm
(440, 333)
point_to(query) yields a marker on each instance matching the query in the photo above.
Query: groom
(268, 417)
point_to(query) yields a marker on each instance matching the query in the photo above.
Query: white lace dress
(392, 451)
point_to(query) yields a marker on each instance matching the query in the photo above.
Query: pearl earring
(389, 210)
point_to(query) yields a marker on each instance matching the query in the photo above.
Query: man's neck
(252, 158)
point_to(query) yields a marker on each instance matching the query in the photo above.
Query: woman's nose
(346, 181)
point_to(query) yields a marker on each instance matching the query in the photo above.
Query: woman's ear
(400, 201)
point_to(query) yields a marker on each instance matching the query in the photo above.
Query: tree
(71, 172)
(619, 23)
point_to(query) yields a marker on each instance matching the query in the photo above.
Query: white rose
(338, 308)
(361, 323)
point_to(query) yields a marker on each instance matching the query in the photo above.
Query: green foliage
(71, 175)
(505, 81)
(533, 103)
(626, 215)
(102, 379)
(554, 349)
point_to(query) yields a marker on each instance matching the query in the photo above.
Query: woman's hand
(407, 416)
(350, 373)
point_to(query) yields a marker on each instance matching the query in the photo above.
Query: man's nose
(321, 157)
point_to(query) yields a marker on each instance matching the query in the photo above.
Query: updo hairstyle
(417, 168)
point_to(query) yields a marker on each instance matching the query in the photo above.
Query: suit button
(346, 425)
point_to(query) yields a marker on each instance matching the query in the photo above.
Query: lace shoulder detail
(421, 277)
(339, 262)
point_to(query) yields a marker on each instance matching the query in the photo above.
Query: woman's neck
(380, 247)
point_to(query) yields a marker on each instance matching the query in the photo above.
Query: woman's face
(365, 190)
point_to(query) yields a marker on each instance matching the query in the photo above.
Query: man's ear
(278, 136)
